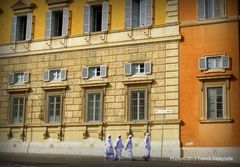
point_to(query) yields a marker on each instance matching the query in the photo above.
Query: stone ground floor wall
(75, 143)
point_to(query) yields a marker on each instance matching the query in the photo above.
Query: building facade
(209, 92)
(74, 71)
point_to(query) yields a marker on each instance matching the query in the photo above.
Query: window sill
(214, 76)
(214, 70)
(216, 120)
(94, 84)
(137, 81)
(54, 87)
(18, 89)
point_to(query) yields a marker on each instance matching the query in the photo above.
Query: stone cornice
(18, 89)
(54, 87)
(94, 84)
(214, 76)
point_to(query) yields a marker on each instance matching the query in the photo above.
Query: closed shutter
(225, 62)
(14, 29)
(29, 26)
(86, 19)
(201, 9)
(203, 63)
(11, 78)
(63, 74)
(103, 71)
(149, 8)
(128, 13)
(143, 12)
(48, 25)
(46, 75)
(65, 23)
(147, 68)
(105, 11)
(26, 77)
(128, 69)
(85, 72)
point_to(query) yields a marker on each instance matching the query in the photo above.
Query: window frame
(47, 116)
(94, 91)
(47, 75)
(147, 71)
(11, 109)
(205, 60)
(210, 82)
(146, 103)
(214, 17)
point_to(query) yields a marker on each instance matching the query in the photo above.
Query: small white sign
(163, 111)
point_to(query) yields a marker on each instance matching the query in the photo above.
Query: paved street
(25, 160)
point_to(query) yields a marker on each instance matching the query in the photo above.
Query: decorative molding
(214, 76)
(14, 90)
(58, 3)
(216, 121)
(55, 87)
(23, 5)
(94, 84)
(137, 81)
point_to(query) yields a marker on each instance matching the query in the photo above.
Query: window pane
(54, 108)
(214, 62)
(214, 102)
(57, 18)
(21, 27)
(138, 68)
(136, 13)
(94, 107)
(137, 105)
(55, 75)
(96, 18)
(17, 109)
(18, 77)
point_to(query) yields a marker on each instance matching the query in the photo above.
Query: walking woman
(128, 148)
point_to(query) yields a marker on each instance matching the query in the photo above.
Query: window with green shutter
(211, 9)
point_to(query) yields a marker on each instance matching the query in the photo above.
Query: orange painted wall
(207, 39)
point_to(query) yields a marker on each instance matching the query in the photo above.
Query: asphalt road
(35, 160)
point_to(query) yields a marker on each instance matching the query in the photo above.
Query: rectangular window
(137, 105)
(55, 75)
(214, 62)
(91, 72)
(94, 72)
(54, 108)
(96, 17)
(138, 68)
(214, 102)
(22, 27)
(94, 106)
(138, 13)
(19, 78)
(17, 105)
(211, 9)
(57, 21)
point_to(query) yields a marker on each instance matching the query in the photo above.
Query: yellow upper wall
(76, 8)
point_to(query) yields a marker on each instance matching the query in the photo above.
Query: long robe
(147, 146)
(109, 149)
(128, 147)
(118, 148)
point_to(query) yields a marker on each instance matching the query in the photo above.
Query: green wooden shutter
(105, 12)
(86, 19)
(148, 16)
(128, 13)
(201, 9)
(203, 63)
(29, 26)
(48, 26)
(128, 69)
(14, 29)
(65, 23)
